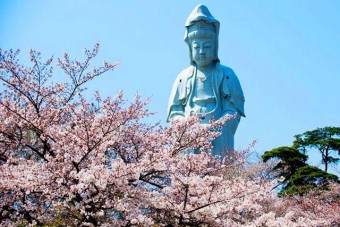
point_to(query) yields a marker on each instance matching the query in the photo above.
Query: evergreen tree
(325, 140)
(294, 175)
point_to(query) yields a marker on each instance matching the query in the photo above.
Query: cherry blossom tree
(67, 161)
(323, 206)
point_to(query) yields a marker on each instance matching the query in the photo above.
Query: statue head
(201, 27)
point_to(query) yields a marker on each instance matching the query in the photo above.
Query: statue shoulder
(227, 71)
(185, 74)
(178, 88)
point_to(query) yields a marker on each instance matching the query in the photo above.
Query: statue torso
(203, 98)
(214, 96)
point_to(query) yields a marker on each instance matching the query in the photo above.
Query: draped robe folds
(229, 101)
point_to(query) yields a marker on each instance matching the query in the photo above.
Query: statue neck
(205, 69)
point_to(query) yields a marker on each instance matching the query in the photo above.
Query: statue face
(203, 51)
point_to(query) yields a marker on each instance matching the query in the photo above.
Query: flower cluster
(67, 161)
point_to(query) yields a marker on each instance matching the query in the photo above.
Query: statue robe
(229, 100)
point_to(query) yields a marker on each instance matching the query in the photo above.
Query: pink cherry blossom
(67, 161)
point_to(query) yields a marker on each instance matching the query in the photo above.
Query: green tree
(309, 177)
(325, 140)
(295, 177)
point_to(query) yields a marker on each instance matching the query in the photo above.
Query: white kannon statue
(206, 88)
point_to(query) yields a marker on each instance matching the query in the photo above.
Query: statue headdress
(201, 23)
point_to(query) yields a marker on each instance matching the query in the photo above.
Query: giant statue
(206, 88)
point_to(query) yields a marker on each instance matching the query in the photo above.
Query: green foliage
(326, 140)
(290, 160)
(295, 176)
(307, 178)
(290, 156)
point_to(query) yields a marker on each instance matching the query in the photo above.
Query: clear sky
(286, 53)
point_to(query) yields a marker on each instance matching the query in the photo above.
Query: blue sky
(286, 53)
